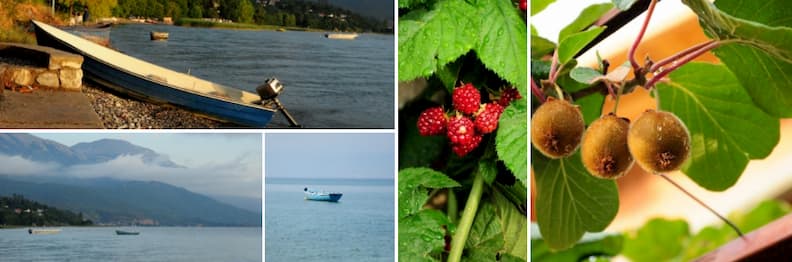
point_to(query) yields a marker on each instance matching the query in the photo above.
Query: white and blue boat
(311, 194)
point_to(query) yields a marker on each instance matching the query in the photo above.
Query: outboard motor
(270, 90)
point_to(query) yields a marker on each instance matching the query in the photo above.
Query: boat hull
(43, 231)
(152, 90)
(126, 233)
(330, 197)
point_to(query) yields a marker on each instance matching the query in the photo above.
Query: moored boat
(152, 83)
(345, 36)
(127, 233)
(159, 35)
(311, 194)
(43, 231)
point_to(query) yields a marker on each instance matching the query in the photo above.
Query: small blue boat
(311, 194)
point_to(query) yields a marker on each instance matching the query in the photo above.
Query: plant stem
(704, 205)
(679, 63)
(452, 207)
(631, 54)
(618, 96)
(463, 229)
(676, 56)
(554, 67)
(537, 92)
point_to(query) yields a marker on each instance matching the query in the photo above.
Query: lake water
(153, 244)
(360, 227)
(328, 83)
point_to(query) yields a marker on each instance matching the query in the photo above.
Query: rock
(20, 76)
(71, 79)
(69, 61)
(48, 79)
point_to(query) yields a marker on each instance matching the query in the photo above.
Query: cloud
(16, 165)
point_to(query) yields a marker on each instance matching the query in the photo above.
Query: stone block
(20, 76)
(71, 79)
(48, 79)
(59, 61)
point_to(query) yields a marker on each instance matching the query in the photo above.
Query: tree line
(16, 210)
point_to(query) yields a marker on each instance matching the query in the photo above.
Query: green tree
(245, 11)
(196, 11)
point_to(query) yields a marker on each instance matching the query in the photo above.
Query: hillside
(16, 210)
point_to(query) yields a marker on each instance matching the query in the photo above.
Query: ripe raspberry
(432, 122)
(460, 130)
(487, 119)
(463, 149)
(466, 99)
(523, 5)
(507, 95)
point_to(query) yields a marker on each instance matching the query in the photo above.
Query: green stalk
(461, 235)
(452, 207)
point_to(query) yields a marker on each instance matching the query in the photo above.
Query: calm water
(360, 227)
(329, 83)
(153, 244)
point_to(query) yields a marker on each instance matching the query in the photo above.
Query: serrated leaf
(421, 234)
(514, 225)
(623, 4)
(413, 184)
(417, 150)
(511, 140)
(760, 55)
(485, 239)
(726, 128)
(657, 240)
(585, 75)
(572, 44)
(541, 47)
(539, 5)
(449, 74)
(428, 39)
(502, 42)
(586, 18)
(570, 201)
(487, 165)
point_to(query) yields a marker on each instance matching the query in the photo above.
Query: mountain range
(114, 201)
(372, 8)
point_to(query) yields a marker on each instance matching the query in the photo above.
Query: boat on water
(127, 233)
(43, 231)
(344, 36)
(98, 33)
(156, 84)
(159, 35)
(311, 194)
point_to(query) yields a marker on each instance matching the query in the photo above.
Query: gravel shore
(119, 112)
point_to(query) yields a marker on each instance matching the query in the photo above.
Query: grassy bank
(15, 16)
(194, 22)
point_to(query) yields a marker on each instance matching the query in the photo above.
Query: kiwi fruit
(604, 149)
(556, 128)
(659, 141)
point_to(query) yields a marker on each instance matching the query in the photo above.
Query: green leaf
(417, 150)
(760, 55)
(413, 184)
(599, 244)
(433, 38)
(623, 4)
(541, 47)
(658, 240)
(514, 225)
(511, 141)
(421, 234)
(591, 105)
(540, 69)
(502, 42)
(485, 239)
(449, 74)
(586, 18)
(487, 165)
(539, 5)
(585, 75)
(570, 201)
(726, 128)
(410, 3)
(572, 44)
(767, 211)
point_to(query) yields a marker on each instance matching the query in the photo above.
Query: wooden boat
(345, 36)
(43, 231)
(311, 194)
(127, 233)
(98, 33)
(156, 84)
(159, 35)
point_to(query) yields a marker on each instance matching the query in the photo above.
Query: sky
(306, 155)
(216, 164)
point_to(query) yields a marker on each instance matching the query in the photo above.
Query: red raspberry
(460, 130)
(466, 99)
(508, 95)
(523, 5)
(463, 149)
(487, 119)
(432, 122)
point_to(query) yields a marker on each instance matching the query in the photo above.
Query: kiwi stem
(657, 98)
(674, 57)
(631, 54)
(468, 214)
(679, 63)
(554, 67)
(537, 92)
(619, 89)
(704, 205)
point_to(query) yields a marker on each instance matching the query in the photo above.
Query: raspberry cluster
(470, 120)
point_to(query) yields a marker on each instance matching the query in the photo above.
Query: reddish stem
(631, 54)
(679, 63)
(536, 91)
(676, 56)
(554, 67)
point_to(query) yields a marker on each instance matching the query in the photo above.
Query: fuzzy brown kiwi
(604, 148)
(659, 141)
(556, 128)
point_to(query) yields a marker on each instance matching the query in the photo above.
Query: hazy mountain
(380, 9)
(247, 203)
(111, 201)
(43, 150)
